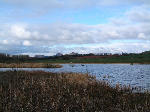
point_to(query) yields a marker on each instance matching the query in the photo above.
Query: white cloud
(27, 43)
(42, 37)
(139, 14)
(19, 10)
(20, 31)
(141, 36)
(5, 42)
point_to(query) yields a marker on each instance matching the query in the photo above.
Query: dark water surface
(124, 74)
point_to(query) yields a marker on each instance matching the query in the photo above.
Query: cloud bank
(128, 33)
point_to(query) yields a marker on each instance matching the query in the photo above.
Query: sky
(84, 26)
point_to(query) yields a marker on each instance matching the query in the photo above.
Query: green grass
(134, 58)
(98, 60)
(38, 91)
(128, 58)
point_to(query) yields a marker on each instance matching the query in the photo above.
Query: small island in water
(29, 65)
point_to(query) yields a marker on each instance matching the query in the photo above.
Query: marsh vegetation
(29, 65)
(66, 92)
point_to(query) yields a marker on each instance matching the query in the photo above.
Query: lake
(124, 74)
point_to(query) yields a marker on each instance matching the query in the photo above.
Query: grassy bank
(136, 58)
(29, 65)
(66, 92)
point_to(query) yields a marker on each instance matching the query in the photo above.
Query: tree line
(9, 58)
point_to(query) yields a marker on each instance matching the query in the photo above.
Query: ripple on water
(124, 74)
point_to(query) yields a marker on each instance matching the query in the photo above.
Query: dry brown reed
(38, 91)
(29, 65)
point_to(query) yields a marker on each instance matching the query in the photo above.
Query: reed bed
(38, 91)
(29, 65)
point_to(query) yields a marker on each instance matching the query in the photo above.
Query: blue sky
(83, 26)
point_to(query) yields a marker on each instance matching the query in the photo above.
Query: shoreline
(53, 65)
(29, 65)
(103, 63)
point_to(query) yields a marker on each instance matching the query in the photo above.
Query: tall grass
(38, 91)
(29, 65)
